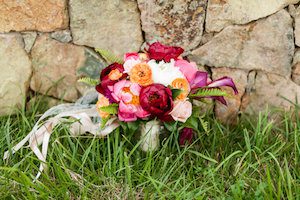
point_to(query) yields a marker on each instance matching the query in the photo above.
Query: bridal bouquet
(157, 84)
(146, 91)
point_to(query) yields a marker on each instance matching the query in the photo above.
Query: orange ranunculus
(102, 101)
(181, 83)
(141, 74)
(114, 75)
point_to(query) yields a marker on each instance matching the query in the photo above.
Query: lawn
(256, 159)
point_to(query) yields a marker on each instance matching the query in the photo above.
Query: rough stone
(229, 113)
(296, 68)
(106, 24)
(222, 13)
(296, 16)
(15, 73)
(62, 36)
(266, 45)
(29, 39)
(178, 22)
(272, 91)
(57, 67)
(42, 15)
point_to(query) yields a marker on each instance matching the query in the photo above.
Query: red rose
(186, 135)
(158, 51)
(108, 77)
(157, 100)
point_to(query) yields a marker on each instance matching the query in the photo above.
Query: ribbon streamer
(83, 111)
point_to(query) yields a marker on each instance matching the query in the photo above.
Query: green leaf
(109, 56)
(111, 109)
(209, 92)
(133, 126)
(191, 122)
(89, 81)
(176, 93)
(170, 126)
(104, 121)
(204, 125)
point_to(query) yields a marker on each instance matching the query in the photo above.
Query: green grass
(257, 159)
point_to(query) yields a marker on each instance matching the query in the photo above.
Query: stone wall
(46, 45)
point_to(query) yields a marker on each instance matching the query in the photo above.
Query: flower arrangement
(145, 91)
(157, 84)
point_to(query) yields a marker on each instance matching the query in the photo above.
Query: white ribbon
(41, 132)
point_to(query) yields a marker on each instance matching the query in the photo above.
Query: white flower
(164, 73)
(129, 64)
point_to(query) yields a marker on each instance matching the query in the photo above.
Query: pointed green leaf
(89, 81)
(111, 109)
(109, 56)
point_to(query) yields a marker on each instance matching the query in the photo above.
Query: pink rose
(127, 94)
(182, 110)
(189, 69)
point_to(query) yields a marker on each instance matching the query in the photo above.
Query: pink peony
(130, 60)
(189, 69)
(127, 94)
(182, 111)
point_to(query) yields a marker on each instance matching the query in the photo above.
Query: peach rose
(102, 101)
(182, 110)
(141, 74)
(181, 83)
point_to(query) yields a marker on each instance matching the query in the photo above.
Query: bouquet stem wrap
(150, 135)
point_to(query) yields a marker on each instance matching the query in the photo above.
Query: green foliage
(89, 81)
(255, 159)
(208, 92)
(176, 93)
(109, 56)
(110, 109)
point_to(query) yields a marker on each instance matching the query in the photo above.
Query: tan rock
(57, 67)
(15, 73)
(178, 22)
(296, 67)
(266, 45)
(29, 39)
(229, 113)
(42, 15)
(222, 13)
(296, 16)
(106, 24)
(272, 91)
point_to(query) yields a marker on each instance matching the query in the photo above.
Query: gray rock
(266, 45)
(15, 73)
(222, 13)
(178, 22)
(106, 24)
(62, 36)
(270, 91)
(29, 39)
(57, 67)
(296, 67)
(229, 113)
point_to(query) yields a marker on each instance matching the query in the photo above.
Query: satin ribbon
(43, 129)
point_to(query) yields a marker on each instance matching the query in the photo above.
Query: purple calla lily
(224, 81)
(201, 80)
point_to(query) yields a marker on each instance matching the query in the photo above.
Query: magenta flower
(186, 135)
(158, 51)
(127, 94)
(157, 100)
